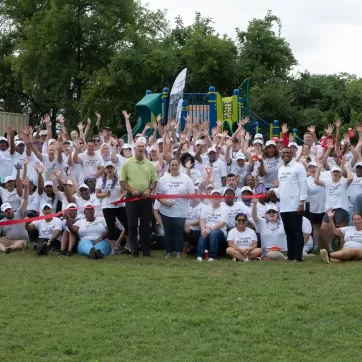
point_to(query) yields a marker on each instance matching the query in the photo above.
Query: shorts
(340, 215)
(315, 219)
(6, 242)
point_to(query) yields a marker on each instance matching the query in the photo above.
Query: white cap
(211, 149)
(69, 182)
(272, 207)
(9, 178)
(239, 156)
(270, 143)
(219, 135)
(358, 164)
(16, 138)
(48, 183)
(210, 185)
(292, 144)
(52, 140)
(227, 189)
(312, 163)
(198, 142)
(198, 180)
(46, 205)
(159, 140)
(5, 206)
(215, 191)
(19, 142)
(88, 204)
(43, 132)
(258, 141)
(246, 188)
(142, 139)
(83, 186)
(109, 163)
(335, 168)
(3, 139)
(258, 135)
(71, 204)
(126, 146)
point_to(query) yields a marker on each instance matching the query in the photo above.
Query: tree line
(75, 57)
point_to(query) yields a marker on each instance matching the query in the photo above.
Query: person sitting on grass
(242, 241)
(352, 249)
(49, 232)
(271, 230)
(213, 223)
(69, 240)
(92, 232)
(14, 237)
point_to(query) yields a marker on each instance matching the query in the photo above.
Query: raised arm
(39, 170)
(24, 201)
(317, 181)
(127, 116)
(254, 213)
(335, 231)
(10, 134)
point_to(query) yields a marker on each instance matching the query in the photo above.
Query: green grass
(118, 309)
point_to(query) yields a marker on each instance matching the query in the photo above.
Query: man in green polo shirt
(138, 177)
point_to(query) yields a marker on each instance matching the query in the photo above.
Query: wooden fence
(16, 120)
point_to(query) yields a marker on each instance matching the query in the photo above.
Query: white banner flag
(176, 95)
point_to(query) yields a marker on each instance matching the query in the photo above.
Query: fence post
(212, 107)
(164, 105)
(183, 115)
(275, 128)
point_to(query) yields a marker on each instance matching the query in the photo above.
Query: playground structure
(211, 107)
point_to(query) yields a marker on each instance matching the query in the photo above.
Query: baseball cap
(313, 163)
(69, 182)
(3, 139)
(246, 188)
(198, 142)
(142, 139)
(5, 207)
(109, 163)
(88, 204)
(159, 140)
(48, 183)
(71, 204)
(358, 164)
(276, 139)
(270, 143)
(46, 205)
(9, 178)
(215, 191)
(126, 146)
(258, 141)
(335, 168)
(272, 207)
(228, 189)
(210, 185)
(52, 140)
(83, 186)
(258, 135)
(239, 156)
(292, 144)
(43, 132)
(19, 142)
(211, 149)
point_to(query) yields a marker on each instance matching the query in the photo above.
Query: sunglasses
(83, 190)
(96, 140)
(241, 220)
(272, 212)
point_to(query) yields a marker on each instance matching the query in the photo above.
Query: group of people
(204, 193)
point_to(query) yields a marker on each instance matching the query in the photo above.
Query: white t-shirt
(307, 229)
(92, 200)
(47, 229)
(194, 214)
(336, 194)
(242, 239)
(195, 174)
(271, 234)
(90, 163)
(352, 237)
(50, 166)
(7, 163)
(271, 167)
(91, 230)
(238, 207)
(11, 197)
(219, 169)
(115, 194)
(34, 201)
(354, 189)
(242, 172)
(174, 185)
(316, 196)
(213, 216)
(44, 199)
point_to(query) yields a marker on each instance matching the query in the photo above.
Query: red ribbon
(130, 199)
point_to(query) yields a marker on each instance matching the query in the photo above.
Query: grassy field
(118, 309)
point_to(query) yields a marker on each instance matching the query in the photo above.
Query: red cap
(276, 139)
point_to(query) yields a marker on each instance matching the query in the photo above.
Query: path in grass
(118, 309)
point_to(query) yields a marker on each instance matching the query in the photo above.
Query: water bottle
(206, 255)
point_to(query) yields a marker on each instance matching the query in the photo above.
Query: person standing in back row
(292, 192)
(138, 177)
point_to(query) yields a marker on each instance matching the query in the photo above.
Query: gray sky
(325, 35)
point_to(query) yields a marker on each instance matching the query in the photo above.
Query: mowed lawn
(118, 309)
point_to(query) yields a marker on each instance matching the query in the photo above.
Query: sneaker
(8, 250)
(258, 258)
(61, 253)
(69, 253)
(113, 252)
(178, 256)
(233, 259)
(99, 254)
(42, 249)
(324, 256)
(168, 255)
(211, 259)
(199, 258)
(92, 254)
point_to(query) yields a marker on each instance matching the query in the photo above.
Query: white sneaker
(324, 256)
(211, 259)
(199, 258)
(233, 259)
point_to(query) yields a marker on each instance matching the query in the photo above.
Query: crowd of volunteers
(253, 199)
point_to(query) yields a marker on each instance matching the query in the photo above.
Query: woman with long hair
(242, 241)
(9, 193)
(270, 163)
(108, 190)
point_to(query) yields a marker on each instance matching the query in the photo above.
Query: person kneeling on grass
(213, 222)
(352, 249)
(92, 232)
(242, 241)
(49, 232)
(69, 241)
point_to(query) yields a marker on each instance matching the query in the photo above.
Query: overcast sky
(325, 35)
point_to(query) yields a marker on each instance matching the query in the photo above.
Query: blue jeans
(174, 233)
(214, 238)
(84, 246)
